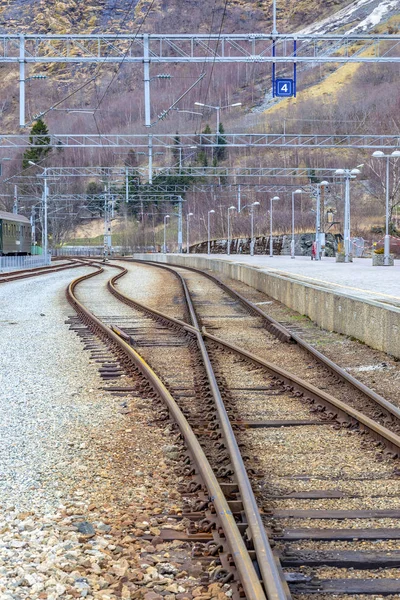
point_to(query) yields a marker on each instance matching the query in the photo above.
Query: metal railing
(15, 263)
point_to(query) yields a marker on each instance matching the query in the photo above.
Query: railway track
(26, 273)
(267, 408)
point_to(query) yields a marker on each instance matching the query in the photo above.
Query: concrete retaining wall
(370, 322)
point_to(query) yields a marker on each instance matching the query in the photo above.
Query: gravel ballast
(84, 474)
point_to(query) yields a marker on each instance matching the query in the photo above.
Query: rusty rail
(391, 440)
(243, 563)
(327, 362)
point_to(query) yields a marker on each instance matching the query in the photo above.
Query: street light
(45, 193)
(228, 246)
(165, 233)
(292, 242)
(187, 231)
(218, 109)
(208, 231)
(271, 249)
(318, 219)
(252, 226)
(347, 174)
(380, 154)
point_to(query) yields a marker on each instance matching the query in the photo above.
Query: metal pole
(274, 29)
(228, 245)
(105, 221)
(15, 205)
(33, 225)
(292, 243)
(386, 257)
(292, 255)
(165, 235)
(318, 224)
(347, 218)
(180, 237)
(146, 68)
(252, 230)
(45, 214)
(126, 185)
(271, 251)
(187, 234)
(208, 235)
(22, 80)
(239, 199)
(150, 159)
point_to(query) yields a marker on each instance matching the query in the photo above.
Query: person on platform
(314, 251)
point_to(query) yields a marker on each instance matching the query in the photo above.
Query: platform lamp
(165, 233)
(228, 246)
(271, 248)
(252, 226)
(380, 154)
(187, 232)
(210, 212)
(45, 195)
(292, 244)
(347, 174)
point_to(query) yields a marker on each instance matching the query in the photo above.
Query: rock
(121, 567)
(198, 591)
(167, 569)
(157, 540)
(152, 596)
(86, 529)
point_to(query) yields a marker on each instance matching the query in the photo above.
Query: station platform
(359, 278)
(355, 299)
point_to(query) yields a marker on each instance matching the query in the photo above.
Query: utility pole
(146, 68)
(33, 226)
(45, 198)
(107, 222)
(150, 159)
(180, 238)
(22, 80)
(15, 205)
(274, 29)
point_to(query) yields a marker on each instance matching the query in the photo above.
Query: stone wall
(303, 243)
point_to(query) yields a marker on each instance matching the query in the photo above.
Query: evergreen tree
(43, 140)
(203, 155)
(176, 153)
(220, 151)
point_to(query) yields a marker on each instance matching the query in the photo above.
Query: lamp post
(271, 249)
(165, 234)
(218, 109)
(292, 242)
(228, 246)
(210, 212)
(45, 196)
(252, 226)
(318, 219)
(347, 174)
(187, 231)
(380, 154)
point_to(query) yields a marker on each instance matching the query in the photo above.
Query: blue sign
(284, 88)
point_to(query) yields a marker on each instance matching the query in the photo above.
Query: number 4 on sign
(284, 88)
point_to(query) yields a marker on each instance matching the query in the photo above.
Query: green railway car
(15, 235)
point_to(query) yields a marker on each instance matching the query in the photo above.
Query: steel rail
(25, 273)
(327, 362)
(274, 585)
(243, 563)
(378, 431)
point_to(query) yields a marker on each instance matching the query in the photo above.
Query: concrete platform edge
(370, 322)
